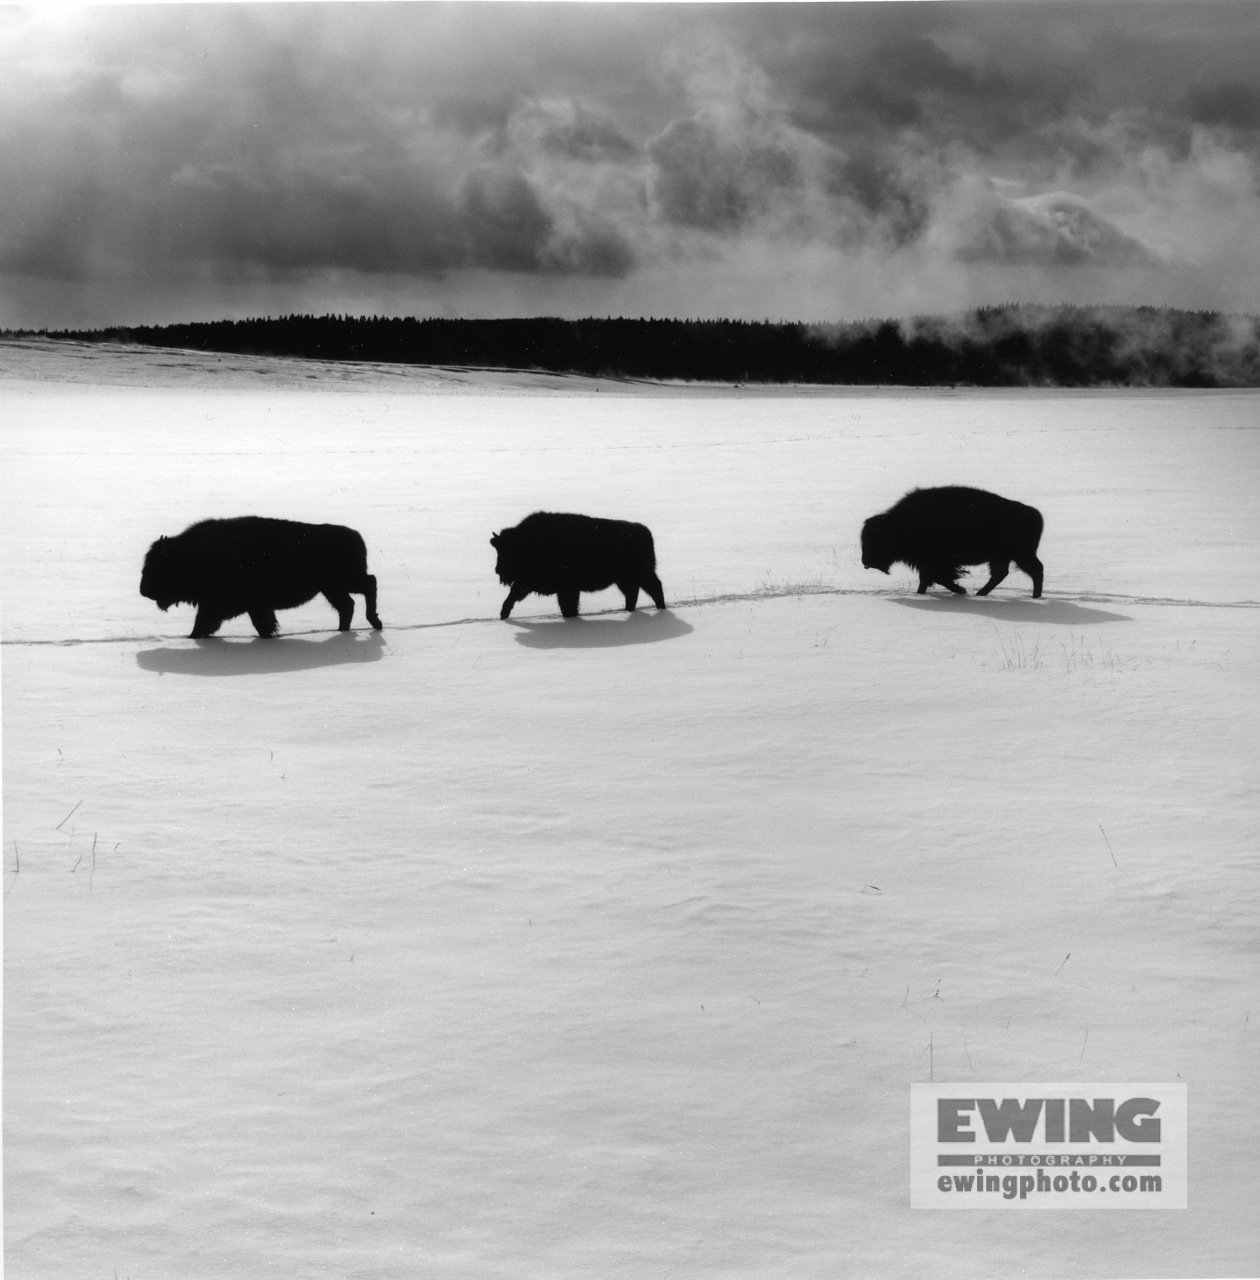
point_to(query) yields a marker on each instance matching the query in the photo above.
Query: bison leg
(653, 587)
(631, 592)
(1035, 570)
(568, 599)
(264, 621)
(369, 601)
(343, 602)
(928, 576)
(206, 623)
(998, 569)
(514, 596)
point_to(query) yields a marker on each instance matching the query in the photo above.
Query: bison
(555, 554)
(939, 531)
(255, 565)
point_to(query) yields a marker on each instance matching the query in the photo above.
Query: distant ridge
(1000, 346)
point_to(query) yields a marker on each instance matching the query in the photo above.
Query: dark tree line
(1006, 346)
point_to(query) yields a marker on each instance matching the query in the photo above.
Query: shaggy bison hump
(938, 532)
(256, 565)
(559, 554)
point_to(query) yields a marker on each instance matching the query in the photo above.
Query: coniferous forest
(1000, 346)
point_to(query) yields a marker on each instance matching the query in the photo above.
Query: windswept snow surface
(611, 948)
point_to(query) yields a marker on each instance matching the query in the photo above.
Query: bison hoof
(376, 623)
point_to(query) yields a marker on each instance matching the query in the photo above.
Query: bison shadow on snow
(260, 657)
(1054, 612)
(596, 632)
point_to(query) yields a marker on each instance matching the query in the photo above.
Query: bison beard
(255, 565)
(555, 554)
(937, 532)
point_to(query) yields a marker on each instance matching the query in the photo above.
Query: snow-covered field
(610, 948)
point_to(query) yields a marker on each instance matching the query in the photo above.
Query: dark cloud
(568, 129)
(703, 179)
(505, 224)
(915, 82)
(289, 221)
(51, 238)
(471, 114)
(699, 155)
(1236, 103)
(738, 163)
(587, 245)
(931, 76)
(887, 190)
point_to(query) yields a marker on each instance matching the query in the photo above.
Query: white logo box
(1047, 1146)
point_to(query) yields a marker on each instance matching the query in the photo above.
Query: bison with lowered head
(255, 565)
(939, 531)
(561, 555)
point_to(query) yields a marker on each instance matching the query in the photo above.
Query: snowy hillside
(610, 948)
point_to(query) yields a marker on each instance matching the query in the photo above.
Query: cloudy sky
(819, 161)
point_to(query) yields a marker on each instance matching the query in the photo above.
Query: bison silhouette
(255, 565)
(556, 554)
(939, 531)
